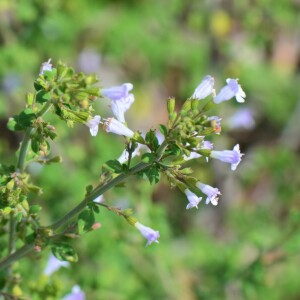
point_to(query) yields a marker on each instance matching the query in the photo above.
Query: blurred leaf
(64, 252)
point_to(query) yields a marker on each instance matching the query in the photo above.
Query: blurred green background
(245, 248)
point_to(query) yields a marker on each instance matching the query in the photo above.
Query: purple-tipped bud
(46, 66)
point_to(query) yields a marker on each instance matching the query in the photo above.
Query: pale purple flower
(232, 89)
(192, 198)
(207, 145)
(77, 294)
(120, 106)
(114, 126)
(54, 264)
(205, 88)
(192, 155)
(211, 193)
(89, 61)
(125, 155)
(99, 199)
(93, 124)
(46, 66)
(243, 118)
(232, 157)
(117, 92)
(148, 233)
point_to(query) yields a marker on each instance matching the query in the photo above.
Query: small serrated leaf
(115, 165)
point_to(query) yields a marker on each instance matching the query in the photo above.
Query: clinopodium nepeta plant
(70, 96)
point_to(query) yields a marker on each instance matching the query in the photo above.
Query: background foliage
(245, 248)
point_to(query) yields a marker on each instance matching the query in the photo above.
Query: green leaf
(174, 149)
(115, 165)
(50, 75)
(64, 252)
(43, 96)
(163, 129)
(152, 140)
(209, 105)
(21, 121)
(186, 171)
(153, 174)
(34, 209)
(35, 145)
(86, 220)
(148, 157)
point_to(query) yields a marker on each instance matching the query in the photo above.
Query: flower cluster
(186, 135)
(195, 133)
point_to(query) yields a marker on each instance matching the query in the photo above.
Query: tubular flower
(232, 89)
(121, 99)
(77, 294)
(54, 264)
(46, 66)
(193, 199)
(148, 233)
(243, 118)
(205, 88)
(211, 193)
(93, 124)
(232, 157)
(117, 92)
(114, 126)
(119, 107)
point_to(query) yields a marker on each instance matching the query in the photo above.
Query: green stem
(4, 263)
(12, 230)
(27, 137)
(96, 193)
(81, 206)
(20, 167)
(24, 147)
(161, 150)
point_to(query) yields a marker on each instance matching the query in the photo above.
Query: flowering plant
(70, 96)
